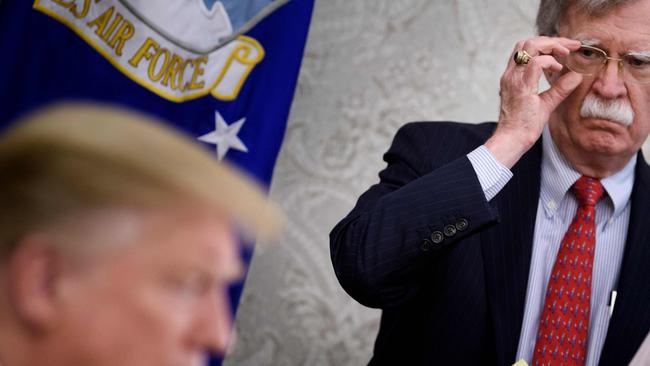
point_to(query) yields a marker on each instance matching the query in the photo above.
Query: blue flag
(222, 71)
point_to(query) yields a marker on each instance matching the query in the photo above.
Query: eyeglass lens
(590, 60)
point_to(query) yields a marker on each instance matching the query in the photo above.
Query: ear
(33, 272)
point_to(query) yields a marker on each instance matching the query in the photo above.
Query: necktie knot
(587, 190)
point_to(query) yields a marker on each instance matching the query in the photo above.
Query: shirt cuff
(492, 175)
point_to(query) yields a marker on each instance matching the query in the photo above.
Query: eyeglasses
(589, 60)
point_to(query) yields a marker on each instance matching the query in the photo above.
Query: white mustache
(615, 110)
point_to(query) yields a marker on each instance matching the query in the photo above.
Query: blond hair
(64, 159)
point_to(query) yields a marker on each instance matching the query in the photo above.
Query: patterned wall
(370, 66)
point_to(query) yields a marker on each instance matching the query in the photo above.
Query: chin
(602, 143)
(601, 135)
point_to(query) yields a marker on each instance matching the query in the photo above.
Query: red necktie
(564, 323)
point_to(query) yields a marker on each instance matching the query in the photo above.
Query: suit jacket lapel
(507, 249)
(630, 321)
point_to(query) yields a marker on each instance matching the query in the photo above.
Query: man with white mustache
(527, 239)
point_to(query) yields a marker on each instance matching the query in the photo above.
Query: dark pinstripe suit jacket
(461, 301)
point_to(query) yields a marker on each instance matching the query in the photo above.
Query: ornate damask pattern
(370, 66)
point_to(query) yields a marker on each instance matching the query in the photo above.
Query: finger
(556, 46)
(555, 56)
(558, 51)
(561, 89)
(543, 41)
(533, 71)
(550, 45)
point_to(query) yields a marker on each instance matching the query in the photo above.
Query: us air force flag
(223, 71)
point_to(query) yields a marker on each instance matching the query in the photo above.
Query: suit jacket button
(426, 245)
(462, 224)
(449, 230)
(437, 237)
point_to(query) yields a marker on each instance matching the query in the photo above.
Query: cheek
(640, 101)
(154, 315)
(569, 109)
(131, 322)
(148, 328)
(640, 132)
(578, 95)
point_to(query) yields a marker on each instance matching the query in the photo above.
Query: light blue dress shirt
(555, 210)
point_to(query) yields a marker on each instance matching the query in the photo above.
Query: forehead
(625, 26)
(157, 241)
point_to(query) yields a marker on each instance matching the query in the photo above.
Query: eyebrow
(642, 54)
(588, 41)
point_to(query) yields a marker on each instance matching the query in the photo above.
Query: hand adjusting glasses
(589, 60)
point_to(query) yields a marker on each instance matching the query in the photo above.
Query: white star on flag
(225, 136)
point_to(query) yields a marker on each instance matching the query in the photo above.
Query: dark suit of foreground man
(116, 241)
(458, 242)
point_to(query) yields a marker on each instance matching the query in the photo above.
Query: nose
(609, 84)
(213, 323)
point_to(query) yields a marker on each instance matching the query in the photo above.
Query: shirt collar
(558, 176)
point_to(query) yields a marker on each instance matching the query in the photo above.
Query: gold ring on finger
(522, 57)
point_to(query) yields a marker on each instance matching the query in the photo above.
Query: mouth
(603, 120)
(602, 127)
(619, 120)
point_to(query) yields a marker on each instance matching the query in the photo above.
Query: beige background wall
(370, 66)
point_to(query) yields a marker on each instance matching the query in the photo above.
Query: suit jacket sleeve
(382, 249)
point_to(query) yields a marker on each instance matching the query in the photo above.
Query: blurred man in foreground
(116, 241)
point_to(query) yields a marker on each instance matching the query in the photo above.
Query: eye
(190, 286)
(637, 62)
(197, 286)
(589, 53)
